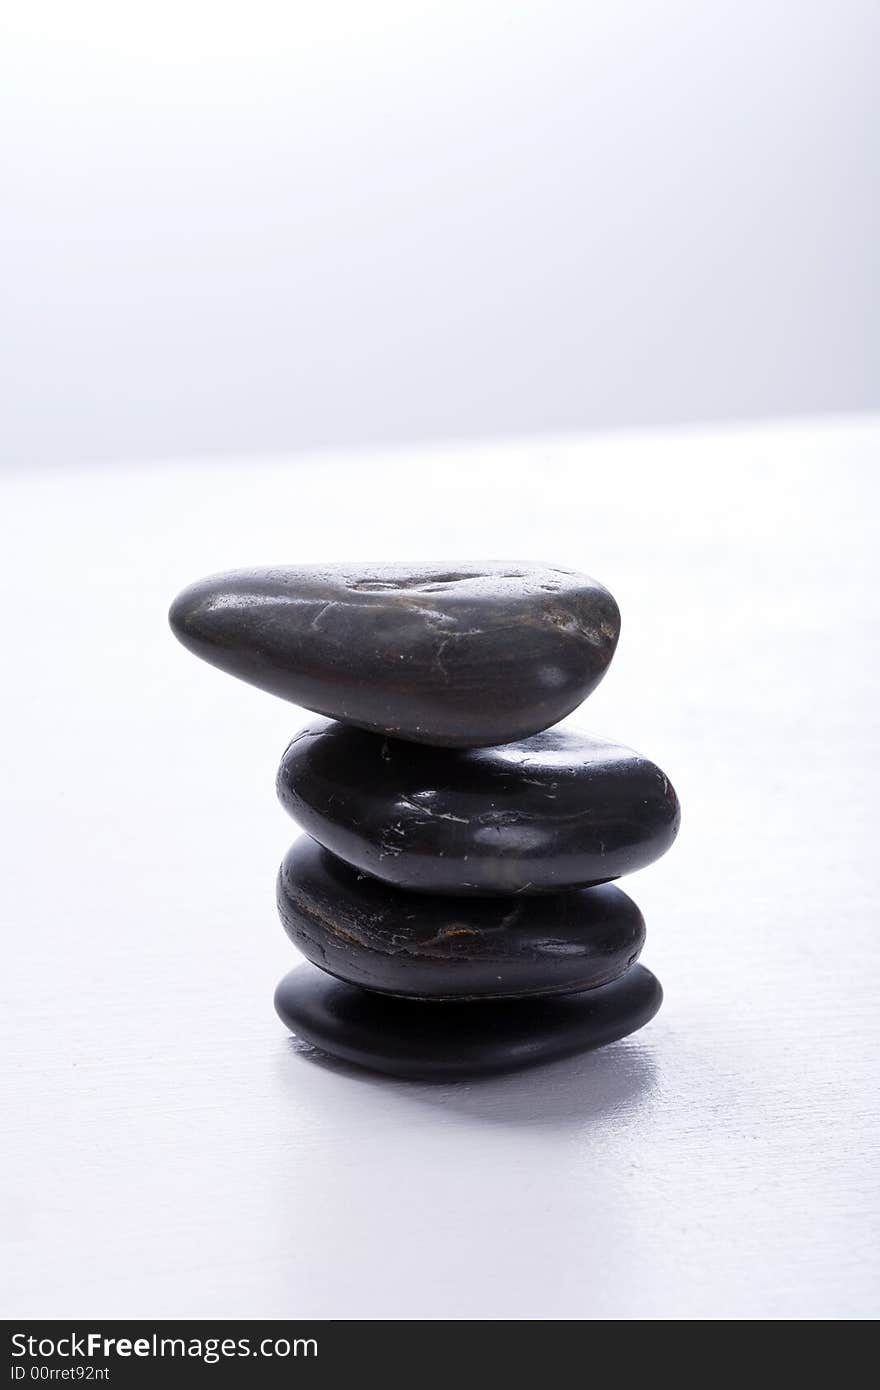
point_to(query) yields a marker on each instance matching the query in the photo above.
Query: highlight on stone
(453, 886)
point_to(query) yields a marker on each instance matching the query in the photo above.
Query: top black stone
(462, 656)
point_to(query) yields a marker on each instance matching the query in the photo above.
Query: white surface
(291, 223)
(168, 1150)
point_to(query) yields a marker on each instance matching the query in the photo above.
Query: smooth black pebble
(403, 1037)
(455, 655)
(422, 947)
(553, 812)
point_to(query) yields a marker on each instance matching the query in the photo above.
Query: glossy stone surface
(455, 655)
(557, 811)
(423, 947)
(442, 1042)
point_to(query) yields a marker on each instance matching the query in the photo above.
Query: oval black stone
(549, 813)
(443, 1042)
(408, 944)
(456, 655)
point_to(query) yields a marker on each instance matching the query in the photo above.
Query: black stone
(557, 811)
(455, 655)
(442, 1042)
(423, 947)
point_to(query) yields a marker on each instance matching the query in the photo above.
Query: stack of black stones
(453, 887)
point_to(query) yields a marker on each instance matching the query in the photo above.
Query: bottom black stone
(443, 1041)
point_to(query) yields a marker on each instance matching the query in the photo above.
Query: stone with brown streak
(408, 944)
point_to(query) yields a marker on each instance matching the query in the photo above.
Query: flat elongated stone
(423, 947)
(556, 811)
(455, 655)
(443, 1042)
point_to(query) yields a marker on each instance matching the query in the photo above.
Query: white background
(231, 227)
(168, 1150)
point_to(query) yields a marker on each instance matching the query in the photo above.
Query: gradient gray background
(289, 225)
